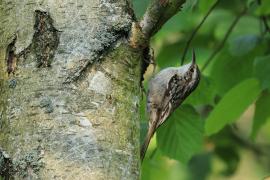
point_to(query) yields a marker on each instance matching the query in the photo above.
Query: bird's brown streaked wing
(171, 98)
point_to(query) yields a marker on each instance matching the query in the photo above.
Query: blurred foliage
(232, 105)
(205, 138)
(185, 133)
(262, 112)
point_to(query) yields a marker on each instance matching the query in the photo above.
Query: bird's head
(193, 73)
(190, 76)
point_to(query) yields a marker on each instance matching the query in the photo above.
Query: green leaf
(204, 93)
(182, 135)
(262, 113)
(205, 5)
(226, 71)
(159, 167)
(262, 70)
(180, 22)
(140, 7)
(246, 25)
(169, 56)
(230, 156)
(211, 25)
(227, 149)
(250, 2)
(200, 166)
(189, 5)
(264, 8)
(232, 105)
(242, 45)
(229, 70)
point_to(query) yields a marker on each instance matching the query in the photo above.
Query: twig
(196, 30)
(157, 14)
(264, 20)
(223, 40)
(245, 142)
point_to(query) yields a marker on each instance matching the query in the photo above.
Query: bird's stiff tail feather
(148, 137)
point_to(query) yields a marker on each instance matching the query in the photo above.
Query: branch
(196, 30)
(264, 20)
(245, 142)
(224, 39)
(157, 14)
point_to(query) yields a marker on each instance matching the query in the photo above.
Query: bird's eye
(192, 70)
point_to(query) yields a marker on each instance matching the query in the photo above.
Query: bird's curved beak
(193, 57)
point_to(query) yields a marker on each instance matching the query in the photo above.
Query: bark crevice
(45, 40)
(10, 56)
(117, 36)
(85, 129)
(28, 165)
(43, 46)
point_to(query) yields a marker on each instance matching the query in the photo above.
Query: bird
(167, 90)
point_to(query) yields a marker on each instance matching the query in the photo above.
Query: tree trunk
(69, 90)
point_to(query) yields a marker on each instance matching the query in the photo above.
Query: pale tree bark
(69, 83)
(69, 109)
